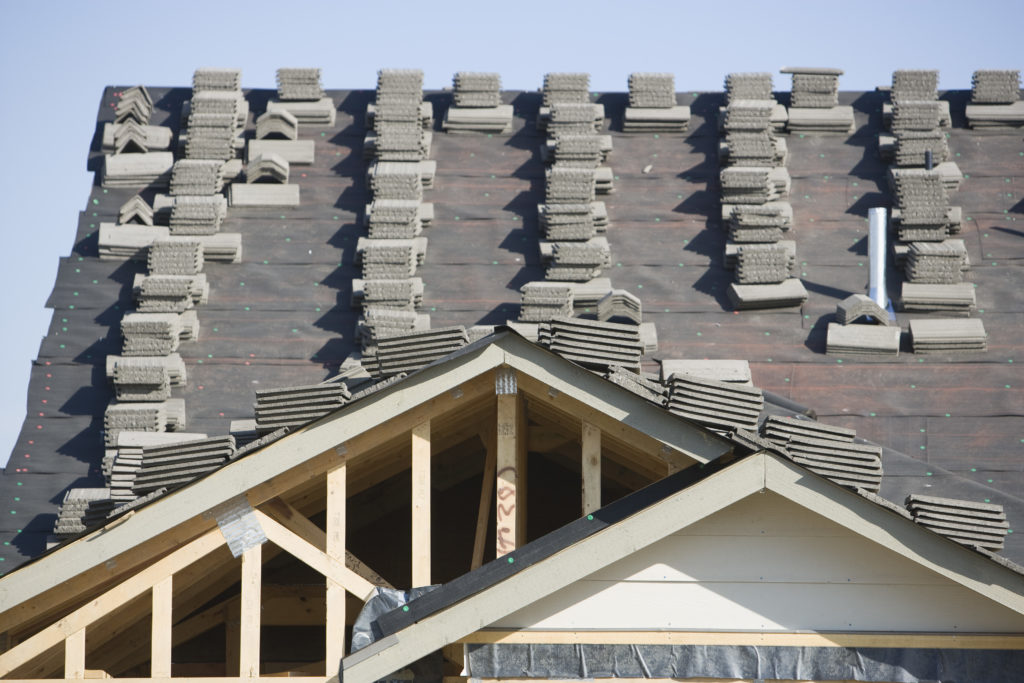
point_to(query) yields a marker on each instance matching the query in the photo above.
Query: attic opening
(566, 457)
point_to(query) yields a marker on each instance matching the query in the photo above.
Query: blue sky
(56, 58)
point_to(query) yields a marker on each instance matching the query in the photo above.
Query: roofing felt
(282, 316)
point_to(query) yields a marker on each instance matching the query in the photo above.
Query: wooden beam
(160, 634)
(74, 655)
(590, 474)
(337, 497)
(249, 616)
(421, 504)
(964, 641)
(130, 588)
(299, 524)
(293, 544)
(507, 532)
(483, 515)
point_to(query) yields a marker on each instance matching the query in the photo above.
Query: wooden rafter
(420, 437)
(131, 588)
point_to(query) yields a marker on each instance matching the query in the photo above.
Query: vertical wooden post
(507, 464)
(590, 471)
(74, 655)
(337, 497)
(160, 646)
(486, 487)
(249, 621)
(232, 638)
(421, 504)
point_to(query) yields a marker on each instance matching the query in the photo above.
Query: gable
(765, 563)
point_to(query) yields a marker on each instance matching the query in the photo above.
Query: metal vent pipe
(877, 225)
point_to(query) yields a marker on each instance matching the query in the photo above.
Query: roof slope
(282, 317)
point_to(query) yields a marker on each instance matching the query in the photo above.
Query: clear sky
(56, 58)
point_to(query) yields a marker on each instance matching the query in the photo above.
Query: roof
(282, 317)
(534, 572)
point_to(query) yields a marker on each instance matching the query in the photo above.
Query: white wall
(766, 564)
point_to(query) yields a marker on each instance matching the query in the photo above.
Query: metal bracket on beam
(505, 381)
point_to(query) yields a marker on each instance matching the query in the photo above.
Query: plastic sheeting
(365, 631)
(896, 665)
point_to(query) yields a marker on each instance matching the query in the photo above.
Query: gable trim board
(128, 542)
(419, 633)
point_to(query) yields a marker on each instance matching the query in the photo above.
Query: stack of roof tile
(296, 406)
(474, 89)
(390, 259)
(722, 406)
(619, 303)
(213, 131)
(400, 294)
(967, 522)
(197, 215)
(81, 509)
(748, 185)
(750, 138)
(857, 306)
(121, 464)
(573, 220)
(995, 100)
(814, 102)
(569, 185)
(197, 177)
(300, 94)
(767, 223)
(267, 168)
(583, 151)
(410, 352)
(923, 206)
(827, 451)
(135, 210)
(936, 262)
(995, 87)
(152, 169)
(763, 263)
(145, 378)
(161, 416)
(395, 180)
(477, 105)
(652, 105)
(169, 293)
(566, 87)
(299, 84)
(753, 86)
(571, 118)
(789, 292)
(394, 218)
(593, 343)
(175, 255)
(748, 86)
(575, 261)
(156, 334)
(645, 386)
(956, 298)
(277, 124)
(378, 322)
(912, 147)
(174, 465)
(135, 104)
(545, 300)
(721, 370)
(936, 335)
(915, 86)
(862, 340)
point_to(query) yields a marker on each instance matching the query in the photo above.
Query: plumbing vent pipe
(878, 224)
